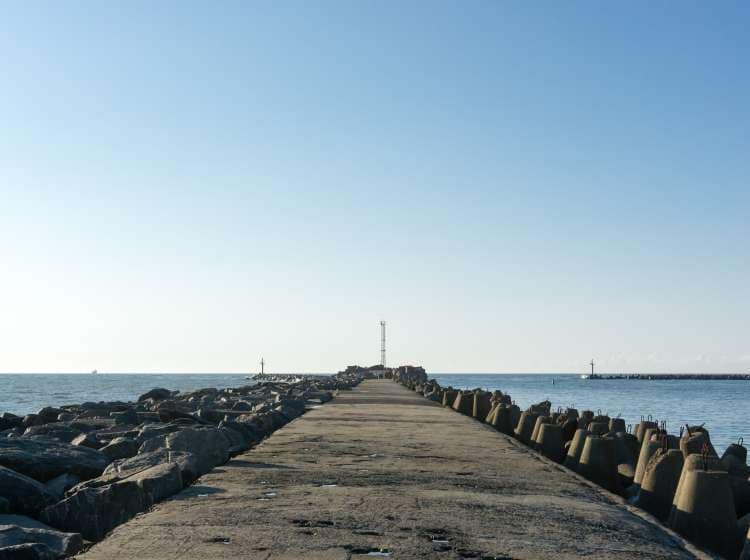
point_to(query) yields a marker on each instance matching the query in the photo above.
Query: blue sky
(513, 186)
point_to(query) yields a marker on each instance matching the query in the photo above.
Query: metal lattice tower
(382, 343)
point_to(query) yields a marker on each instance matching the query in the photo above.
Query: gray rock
(48, 414)
(34, 551)
(236, 440)
(209, 446)
(55, 430)
(24, 495)
(59, 485)
(46, 459)
(120, 448)
(88, 440)
(150, 431)
(94, 512)
(124, 468)
(30, 420)
(157, 394)
(129, 417)
(8, 421)
(66, 544)
(168, 415)
(65, 417)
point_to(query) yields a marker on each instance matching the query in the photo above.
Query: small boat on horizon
(94, 372)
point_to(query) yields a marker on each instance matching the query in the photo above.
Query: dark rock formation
(44, 459)
(23, 494)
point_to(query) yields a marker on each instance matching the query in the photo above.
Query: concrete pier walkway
(382, 472)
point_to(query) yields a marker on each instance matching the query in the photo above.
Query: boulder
(88, 440)
(61, 484)
(94, 512)
(8, 421)
(45, 459)
(120, 448)
(124, 468)
(169, 414)
(236, 440)
(126, 417)
(24, 495)
(157, 394)
(34, 551)
(30, 420)
(55, 430)
(153, 430)
(66, 544)
(208, 445)
(48, 414)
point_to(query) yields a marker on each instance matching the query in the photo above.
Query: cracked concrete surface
(382, 472)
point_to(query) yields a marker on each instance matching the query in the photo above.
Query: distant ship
(94, 372)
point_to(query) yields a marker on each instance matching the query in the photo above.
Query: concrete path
(382, 472)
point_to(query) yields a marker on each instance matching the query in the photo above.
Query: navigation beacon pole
(382, 344)
(262, 366)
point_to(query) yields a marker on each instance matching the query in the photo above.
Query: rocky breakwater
(679, 479)
(71, 474)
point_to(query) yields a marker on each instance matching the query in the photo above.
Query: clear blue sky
(514, 186)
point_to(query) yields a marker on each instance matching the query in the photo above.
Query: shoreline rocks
(81, 470)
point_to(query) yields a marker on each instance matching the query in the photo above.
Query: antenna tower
(382, 343)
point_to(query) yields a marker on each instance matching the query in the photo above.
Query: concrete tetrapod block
(464, 402)
(586, 417)
(704, 512)
(538, 424)
(550, 442)
(501, 419)
(526, 426)
(648, 448)
(746, 549)
(449, 396)
(490, 418)
(481, 405)
(598, 464)
(617, 425)
(576, 448)
(571, 413)
(641, 427)
(737, 450)
(659, 483)
(598, 428)
(693, 462)
(515, 416)
(630, 450)
(693, 440)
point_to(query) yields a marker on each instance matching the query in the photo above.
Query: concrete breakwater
(69, 475)
(678, 478)
(674, 376)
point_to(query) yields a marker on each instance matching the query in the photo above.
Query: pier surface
(382, 472)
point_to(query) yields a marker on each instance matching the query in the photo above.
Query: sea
(722, 405)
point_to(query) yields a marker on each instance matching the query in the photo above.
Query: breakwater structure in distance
(672, 376)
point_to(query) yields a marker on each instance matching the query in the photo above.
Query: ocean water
(724, 406)
(25, 393)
